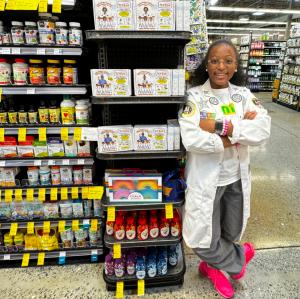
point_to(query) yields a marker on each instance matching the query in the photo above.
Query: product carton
(163, 80)
(178, 82)
(186, 15)
(166, 15)
(174, 131)
(125, 15)
(146, 14)
(179, 15)
(105, 16)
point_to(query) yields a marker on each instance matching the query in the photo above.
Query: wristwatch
(219, 126)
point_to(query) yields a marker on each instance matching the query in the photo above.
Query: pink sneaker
(249, 254)
(221, 284)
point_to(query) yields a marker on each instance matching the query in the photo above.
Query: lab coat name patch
(213, 101)
(237, 98)
(189, 109)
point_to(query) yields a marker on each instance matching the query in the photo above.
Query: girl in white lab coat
(219, 121)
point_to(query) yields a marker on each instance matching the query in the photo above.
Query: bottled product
(31, 33)
(46, 29)
(140, 268)
(53, 72)
(12, 115)
(82, 112)
(109, 265)
(130, 228)
(32, 115)
(70, 72)
(20, 71)
(17, 33)
(36, 72)
(33, 176)
(119, 268)
(44, 175)
(43, 112)
(109, 228)
(164, 227)
(77, 175)
(151, 266)
(3, 114)
(67, 111)
(75, 34)
(175, 225)
(55, 175)
(22, 115)
(172, 256)
(119, 229)
(54, 112)
(153, 227)
(5, 72)
(142, 229)
(130, 265)
(61, 33)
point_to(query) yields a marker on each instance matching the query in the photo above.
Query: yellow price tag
(18, 194)
(46, 227)
(2, 7)
(42, 134)
(169, 210)
(25, 259)
(43, 6)
(61, 226)
(75, 225)
(94, 225)
(74, 191)
(56, 6)
(141, 287)
(8, 195)
(111, 213)
(64, 193)
(42, 194)
(22, 134)
(13, 229)
(25, 4)
(30, 228)
(117, 251)
(53, 194)
(29, 194)
(120, 289)
(77, 134)
(96, 192)
(41, 259)
(85, 192)
(10, 5)
(1, 135)
(64, 134)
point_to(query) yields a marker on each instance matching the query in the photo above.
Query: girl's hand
(208, 125)
(250, 115)
(226, 142)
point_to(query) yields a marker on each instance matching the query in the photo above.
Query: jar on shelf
(36, 72)
(75, 34)
(17, 33)
(12, 115)
(20, 72)
(43, 113)
(32, 115)
(5, 72)
(67, 107)
(54, 112)
(70, 75)
(3, 114)
(61, 33)
(53, 72)
(33, 176)
(46, 29)
(1, 32)
(82, 113)
(31, 33)
(22, 115)
(44, 175)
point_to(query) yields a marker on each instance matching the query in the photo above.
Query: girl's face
(221, 65)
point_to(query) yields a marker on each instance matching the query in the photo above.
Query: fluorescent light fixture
(248, 29)
(250, 9)
(244, 18)
(258, 13)
(228, 33)
(245, 22)
(213, 2)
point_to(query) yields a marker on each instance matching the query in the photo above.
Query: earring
(236, 71)
(206, 70)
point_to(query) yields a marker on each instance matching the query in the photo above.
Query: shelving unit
(41, 50)
(244, 52)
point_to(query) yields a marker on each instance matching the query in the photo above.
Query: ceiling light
(228, 33)
(248, 9)
(248, 29)
(244, 22)
(244, 18)
(213, 2)
(258, 13)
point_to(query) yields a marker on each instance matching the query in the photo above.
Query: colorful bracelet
(225, 127)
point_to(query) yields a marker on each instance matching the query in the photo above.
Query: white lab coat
(205, 154)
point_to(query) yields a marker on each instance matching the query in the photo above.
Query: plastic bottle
(153, 227)
(130, 265)
(164, 227)
(67, 107)
(130, 228)
(142, 229)
(31, 33)
(5, 72)
(17, 33)
(20, 72)
(32, 115)
(172, 256)
(75, 34)
(175, 225)
(151, 266)
(140, 268)
(70, 73)
(54, 112)
(61, 33)
(82, 113)
(44, 175)
(109, 265)
(119, 228)
(109, 227)
(12, 115)
(53, 72)
(43, 113)
(3, 114)
(46, 29)
(22, 115)
(119, 268)
(36, 72)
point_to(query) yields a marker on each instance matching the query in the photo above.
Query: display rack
(244, 52)
(41, 50)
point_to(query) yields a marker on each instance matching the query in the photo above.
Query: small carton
(125, 15)
(175, 83)
(146, 15)
(83, 149)
(166, 15)
(144, 82)
(105, 17)
(178, 82)
(55, 147)
(173, 123)
(171, 135)
(179, 15)
(186, 15)
(70, 148)
(163, 79)
(40, 149)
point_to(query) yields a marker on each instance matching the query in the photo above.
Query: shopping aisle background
(275, 222)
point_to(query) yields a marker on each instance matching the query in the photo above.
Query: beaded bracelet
(225, 127)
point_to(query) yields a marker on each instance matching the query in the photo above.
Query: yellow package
(31, 242)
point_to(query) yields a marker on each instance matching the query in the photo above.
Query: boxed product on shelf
(7, 176)
(55, 147)
(178, 82)
(146, 14)
(173, 134)
(150, 138)
(183, 9)
(137, 188)
(105, 17)
(115, 138)
(111, 82)
(166, 15)
(149, 82)
(8, 148)
(125, 15)
(25, 149)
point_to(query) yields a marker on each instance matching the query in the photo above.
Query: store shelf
(141, 155)
(293, 55)
(138, 100)
(51, 161)
(134, 206)
(96, 35)
(5, 225)
(268, 47)
(45, 89)
(109, 242)
(41, 50)
(293, 47)
(294, 107)
(265, 55)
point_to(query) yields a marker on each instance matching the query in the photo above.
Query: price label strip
(62, 258)
(42, 194)
(13, 229)
(120, 289)
(30, 194)
(42, 134)
(169, 211)
(30, 228)
(41, 259)
(46, 227)
(117, 251)
(94, 225)
(53, 194)
(111, 213)
(56, 6)
(22, 134)
(43, 6)
(141, 287)
(77, 134)
(2, 7)
(18, 194)
(8, 195)
(94, 255)
(25, 259)
(96, 192)
(1, 132)
(85, 192)
(64, 193)
(64, 134)
(74, 192)
(75, 225)
(61, 226)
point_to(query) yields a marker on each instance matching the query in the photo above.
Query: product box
(125, 15)
(146, 15)
(186, 15)
(55, 147)
(166, 15)
(40, 149)
(115, 139)
(70, 148)
(83, 149)
(175, 129)
(110, 82)
(171, 135)
(8, 148)
(105, 14)
(178, 82)
(179, 15)
(137, 188)
(150, 138)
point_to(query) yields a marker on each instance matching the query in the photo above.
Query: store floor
(274, 223)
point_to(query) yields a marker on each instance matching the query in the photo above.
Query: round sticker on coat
(237, 98)
(189, 109)
(213, 101)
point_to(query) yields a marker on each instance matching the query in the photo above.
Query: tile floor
(273, 228)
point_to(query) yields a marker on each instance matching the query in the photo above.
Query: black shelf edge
(294, 107)
(138, 100)
(138, 206)
(141, 155)
(109, 242)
